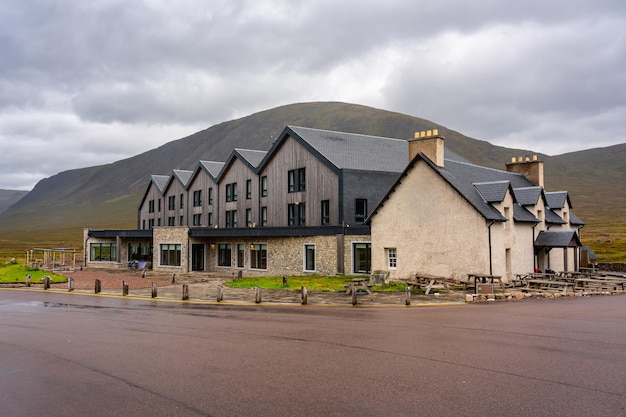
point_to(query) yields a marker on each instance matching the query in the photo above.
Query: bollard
(407, 292)
(143, 274)
(124, 288)
(284, 280)
(154, 290)
(257, 295)
(173, 278)
(354, 297)
(220, 293)
(70, 284)
(28, 280)
(239, 274)
(305, 296)
(46, 282)
(185, 292)
(98, 286)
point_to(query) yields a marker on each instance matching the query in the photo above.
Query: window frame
(258, 256)
(308, 247)
(170, 254)
(224, 255)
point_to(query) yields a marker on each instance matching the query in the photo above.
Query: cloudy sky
(85, 83)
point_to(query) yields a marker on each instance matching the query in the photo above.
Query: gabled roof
(557, 199)
(250, 157)
(183, 176)
(557, 239)
(528, 196)
(492, 192)
(574, 220)
(553, 218)
(160, 181)
(340, 150)
(522, 214)
(212, 168)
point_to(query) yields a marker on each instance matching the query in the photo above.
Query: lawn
(11, 273)
(311, 282)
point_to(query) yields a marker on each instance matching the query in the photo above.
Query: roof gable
(557, 199)
(528, 196)
(492, 192)
(557, 239)
(522, 214)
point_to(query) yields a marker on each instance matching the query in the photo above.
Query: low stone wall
(612, 266)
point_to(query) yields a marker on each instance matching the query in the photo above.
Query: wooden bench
(545, 285)
(600, 284)
(357, 284)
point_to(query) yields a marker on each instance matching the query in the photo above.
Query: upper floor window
(325, 212)
(151, 206)
(263, 216)
(171, 220)
(197, 219)
(264, 186)
(360, 210)
(210, 219)
(159, 205)
(197, 198)
(297, 180)
(231, 192)
(210, 196)
(248, 189)
(182, 201)
(231, 218)
(171, 202)
(248, 217)
(297, 214)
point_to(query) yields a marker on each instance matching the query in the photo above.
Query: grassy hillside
(106, 196)
(10, 197)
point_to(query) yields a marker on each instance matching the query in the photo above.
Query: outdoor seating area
(586, 280)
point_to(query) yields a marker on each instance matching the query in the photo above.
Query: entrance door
(197, 257)
(362, 257)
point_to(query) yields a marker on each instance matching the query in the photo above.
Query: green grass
(11, 273)
(311, 282)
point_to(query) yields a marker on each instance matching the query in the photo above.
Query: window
(180, 221)
(143, 224)
(151, 206)
(171, 220)
(223, 254)
(159, 221)
(103, 251)
(170, 254)
(231, 192)
(248, 217)
(150, 223)
(263, 216)
(139, 251)
(241, 251)
(264, 186)
(182, 201)
(392, 258)
(197, 219)
(360, 210)
(210, 219)
(258, 256)
(231, 218)
(296, 179)
(248, 189)
(159, 201)
(297, 214)
(197, 198)
(210, 196)
(361, 258)
(325, 212)
(171, 202)
(309, 257)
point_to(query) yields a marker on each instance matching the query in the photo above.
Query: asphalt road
(77, 355)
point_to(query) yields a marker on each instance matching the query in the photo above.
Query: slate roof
(556, 199)
(575, 220)
(183, 176)
(213, 168)
(522, 214)
(492, 192)
(528, 196)
(557, 239)
(553, 218)
(251, 156)
(160, 181)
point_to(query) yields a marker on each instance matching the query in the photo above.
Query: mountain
(107, 196)
(10, 197)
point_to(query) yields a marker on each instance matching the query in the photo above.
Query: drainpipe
(533, 246)
(490, 254)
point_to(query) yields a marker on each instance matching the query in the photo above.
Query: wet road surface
(63, 355)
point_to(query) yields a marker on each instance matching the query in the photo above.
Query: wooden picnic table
(599, 284)
(358, 284)
(485, 278)
(549, 285)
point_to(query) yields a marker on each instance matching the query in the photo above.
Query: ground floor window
(170, 254)
(392, 258)
(309, 257)
(103, 252)
(224, 254)
(362, 256)
(258, 256)
(139, 251)
(241, 250)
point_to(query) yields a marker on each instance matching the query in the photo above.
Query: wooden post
(70, 284)
(407, 293)
(220, 293)
(284, 280)
(46, 282)
(98, 286)
(354, 296)
(173, 278)
(28, 280)
(305, 295)
(185, 292)
(124, 288)
(257, 295)
(143, 274)
(154, 290)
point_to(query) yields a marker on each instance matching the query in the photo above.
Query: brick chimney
(531, 168)
(430, 144)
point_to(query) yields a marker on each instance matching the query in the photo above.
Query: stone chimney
(531, 168)
(430, 144)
